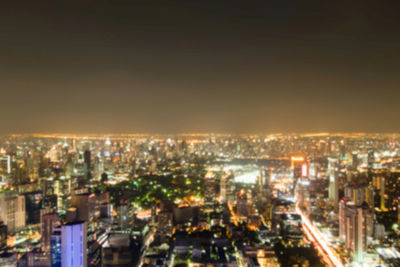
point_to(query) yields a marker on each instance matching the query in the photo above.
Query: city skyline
(199, 199)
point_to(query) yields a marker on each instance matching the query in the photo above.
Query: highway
(146, 243)
(315, 235)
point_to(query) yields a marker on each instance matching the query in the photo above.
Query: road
(146, 243)
(323, 245)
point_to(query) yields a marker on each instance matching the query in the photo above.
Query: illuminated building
(165, 224)
(342, 218)
(37, 258)
(333, 182)
(387, 185)
(355, 222)
(74, 244)
(250, 256)
(49, 222)
(86, 158)
(8, 164)
(87, 209)
(32, 168)
(371, 159)
(227, 187)
(299, 168)
(12, 211)
(254, 222)
(209, 188)
(382, 192)
(3, 236)
(5, 165)
(123, 215)
(359, 193)
(260, 184)
(242, 205)
(98, 167)
(267, 183)
(117, 251)
(62, 189)
(55, 247)
(267, 258)
(379, 232)
(69, 166)
(354, 161)
(50, 202)
(87, 161)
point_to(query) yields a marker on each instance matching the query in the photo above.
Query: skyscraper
(12, 211)
(242, 205)
(354, 161)
(382, 192)
(55, 247)
(371, 158)
(209, 190)
(49, 222)
(333, 181)
(87, 161)
(359, 193)
(355, 222)
(33, 205)
(226, 187)
(299, 168)
(356, 218)
(74, 244)
(3, 236)
(260, 183)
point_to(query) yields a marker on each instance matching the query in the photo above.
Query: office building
(209, 188)
(33, 205)
(3, 236)
(74, 244)
(227, 187)
(355, 161)
(371, 159)
(355, 225)
(49, 222)
(86, 207)
(242, 206)
(359, 193)
(333, 165)
(87, 168)
(55, 247)
(116, 251)
(12, 211)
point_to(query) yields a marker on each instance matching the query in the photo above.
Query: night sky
(122, 66)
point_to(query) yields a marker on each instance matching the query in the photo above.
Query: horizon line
(105, 135)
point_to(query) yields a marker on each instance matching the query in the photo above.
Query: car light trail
(320, 240)
(319, 248)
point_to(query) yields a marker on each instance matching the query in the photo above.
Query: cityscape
(198, 133)
(200, 200)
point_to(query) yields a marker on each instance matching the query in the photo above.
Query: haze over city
(191, 66)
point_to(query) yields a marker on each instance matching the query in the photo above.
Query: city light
(77, 194)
